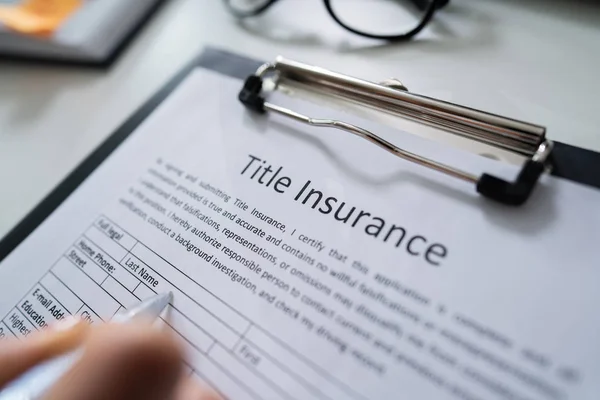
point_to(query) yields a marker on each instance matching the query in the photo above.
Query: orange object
(38, 17)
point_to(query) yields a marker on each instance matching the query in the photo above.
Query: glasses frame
(429, 10)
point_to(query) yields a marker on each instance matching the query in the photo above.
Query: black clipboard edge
(105, 63)
(570, 162)
(576, 164)
(226, 63)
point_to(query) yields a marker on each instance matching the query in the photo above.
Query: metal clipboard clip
(391, 96)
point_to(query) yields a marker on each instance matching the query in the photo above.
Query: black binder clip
(392, 96)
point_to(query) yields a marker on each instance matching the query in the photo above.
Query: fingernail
(206, 393)
(193, 389)
(211, 395)
(63, 336)
(65, 324)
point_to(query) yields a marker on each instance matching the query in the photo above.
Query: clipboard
(473, 295)
(559, 159)
(392, 96)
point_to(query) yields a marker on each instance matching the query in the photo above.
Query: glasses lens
(381, 17)
(246, 6)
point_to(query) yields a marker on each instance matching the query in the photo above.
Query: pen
(34, 383)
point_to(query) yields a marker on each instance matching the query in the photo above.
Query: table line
(107, 273)
(50, 293)
(27, 319)
(288, 369)
(170, 283)
(300, 380)
(210, 383)
(96, 283)
(93, 225)
(207, 357)
(8, 327)
(74, 294)
(116, 312)
(285, 345)
(95, 263)
(32, 286)
(257, 373)
(315, 367)
(118, 226)
(71, 313)
(166, 280)
(18, 308)
(4, 323)
(193, 322)
(181, 272)
(127, 251)
(193, 345)
(243, 336)
(211, 346)
(121, 265)
(174, 286)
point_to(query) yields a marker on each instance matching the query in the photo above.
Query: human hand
(119, 362)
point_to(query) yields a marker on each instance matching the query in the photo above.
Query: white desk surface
(536, 60)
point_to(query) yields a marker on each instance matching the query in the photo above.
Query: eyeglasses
(392, 20)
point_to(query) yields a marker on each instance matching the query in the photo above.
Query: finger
(123, 362)
(191, 389)
(17, 356)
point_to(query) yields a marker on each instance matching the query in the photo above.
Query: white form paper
(308, 264)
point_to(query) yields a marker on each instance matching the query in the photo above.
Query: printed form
(300, 271)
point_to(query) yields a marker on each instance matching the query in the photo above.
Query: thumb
(17, 356)
(123, 362)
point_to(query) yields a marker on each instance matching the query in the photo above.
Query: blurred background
(535, 60)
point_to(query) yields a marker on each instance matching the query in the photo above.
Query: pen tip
(163, 299)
